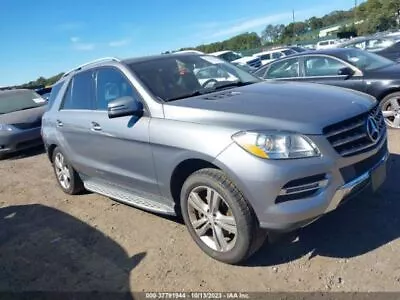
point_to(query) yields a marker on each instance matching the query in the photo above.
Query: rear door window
(53, 94)
(265, 56)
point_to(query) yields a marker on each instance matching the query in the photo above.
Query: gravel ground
(52, 241)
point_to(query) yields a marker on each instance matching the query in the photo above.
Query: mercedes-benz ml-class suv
(237, 159)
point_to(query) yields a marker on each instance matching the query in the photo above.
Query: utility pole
(355, 12)
(294, 31)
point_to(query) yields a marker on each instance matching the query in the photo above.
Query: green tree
(272, 33)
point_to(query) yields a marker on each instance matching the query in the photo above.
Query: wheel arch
(387, 92)
(50, 151)
(182, 171)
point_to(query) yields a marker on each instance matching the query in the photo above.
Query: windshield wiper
(29, 107)
(232, 84)
(211, 90)
(194, 94)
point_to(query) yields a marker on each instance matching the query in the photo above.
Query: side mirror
(124, 106)
(347, 71)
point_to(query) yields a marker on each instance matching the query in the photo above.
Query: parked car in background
(188, 51)
(327, 44)
(236, 58)
(20, 120)
(348, 68)
(297, 49)
(44, 92)
(211, 75)
(386, 46)
(271, 55)
(237, 159)
(245, 67)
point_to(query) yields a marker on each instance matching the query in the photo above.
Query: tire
(75, 184)
(390, 106)
(248, 238)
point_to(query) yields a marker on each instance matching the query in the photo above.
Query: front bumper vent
(302, 188)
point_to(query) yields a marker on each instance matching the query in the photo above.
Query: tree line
(369, 17)
(39, 83)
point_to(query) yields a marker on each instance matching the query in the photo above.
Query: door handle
(96, 126)
(59, 123)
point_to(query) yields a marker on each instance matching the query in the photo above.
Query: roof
(220, 52)
(134, 60)
(271, 51)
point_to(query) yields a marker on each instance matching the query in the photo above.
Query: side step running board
(127, 197)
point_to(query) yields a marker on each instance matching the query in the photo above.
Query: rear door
(73, 125)
(324, 69)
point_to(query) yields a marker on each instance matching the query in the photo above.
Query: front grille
(256, 63)
(352, 172)
(351, 137)
(35, 124)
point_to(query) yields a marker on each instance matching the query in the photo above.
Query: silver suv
(236, 159)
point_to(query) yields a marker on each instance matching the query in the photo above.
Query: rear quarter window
(53, 94)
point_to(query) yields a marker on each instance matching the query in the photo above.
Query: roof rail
(90, 63)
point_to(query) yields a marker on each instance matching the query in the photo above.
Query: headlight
(5, 127)
(276, 145)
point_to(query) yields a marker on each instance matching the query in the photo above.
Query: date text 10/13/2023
(196, 295)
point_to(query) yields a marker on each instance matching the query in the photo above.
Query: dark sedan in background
(348, 68)
(386, 46)
(20, 120)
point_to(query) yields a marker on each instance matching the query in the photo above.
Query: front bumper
(262, 182)
(19, 140)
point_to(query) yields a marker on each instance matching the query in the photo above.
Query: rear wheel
(218, 217)
(67, 177)
(390, 106)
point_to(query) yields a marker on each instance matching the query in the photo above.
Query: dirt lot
(51, 241)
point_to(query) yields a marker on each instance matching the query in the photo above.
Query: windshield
(364, 60)
(11, 101)
(176, 77)
(230, 56)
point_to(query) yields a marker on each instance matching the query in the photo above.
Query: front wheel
(390, 106)
(218, 217)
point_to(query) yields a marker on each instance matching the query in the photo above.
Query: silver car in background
(229, 156)
(20, 120)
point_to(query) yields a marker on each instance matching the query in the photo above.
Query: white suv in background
(327, 44)
(238, 59)
(271, 55)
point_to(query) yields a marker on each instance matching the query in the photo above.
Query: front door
(121, 144)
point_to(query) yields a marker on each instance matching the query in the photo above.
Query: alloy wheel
(62, 171)
(212, 219)
(391, 112)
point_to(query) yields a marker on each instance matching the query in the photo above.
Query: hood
(298, 107)
(23, 116)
